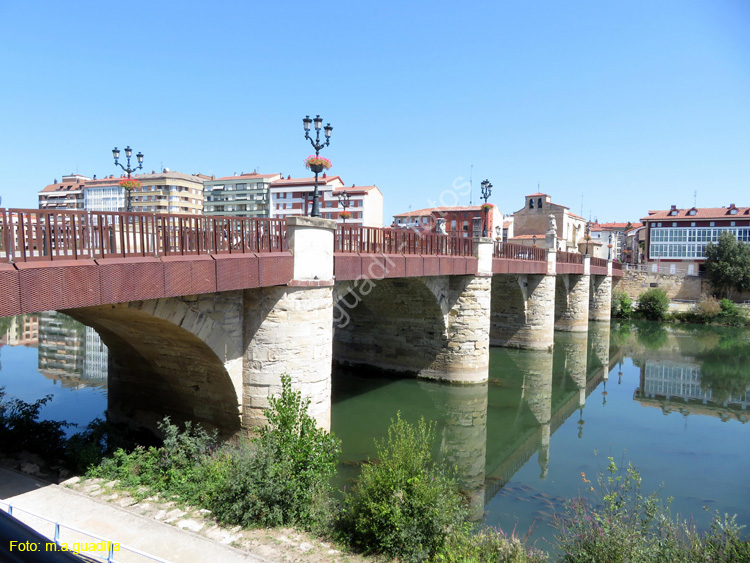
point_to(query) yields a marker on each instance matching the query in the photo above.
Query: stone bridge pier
(600, 296)
(572, 300)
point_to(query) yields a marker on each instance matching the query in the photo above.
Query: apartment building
(66, 194)
(293, 196)
(460, 221)
(243, 195)
(680, 236)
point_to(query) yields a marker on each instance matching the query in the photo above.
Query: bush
(622, 305)
(405, 504)
(283, 478)
(21, 429)
(467, 544)
(623, 524)
(707, 307)
(653, 305)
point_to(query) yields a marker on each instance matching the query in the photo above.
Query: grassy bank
(406, 505)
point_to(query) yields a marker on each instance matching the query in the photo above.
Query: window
(712, 223)
(539, 203)
(531, 204)
(453, 225)
(424, 220)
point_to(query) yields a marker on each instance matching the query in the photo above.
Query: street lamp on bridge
(486, 192)
(344, 202)
(317, 145)
(128, 169)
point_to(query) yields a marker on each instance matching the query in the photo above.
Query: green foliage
(405, 504)
(285, 480)
(21, 429)
(622, 305)
(468, 544)
(175, 469)
(728, 265)
(621, 524)
(653, 305)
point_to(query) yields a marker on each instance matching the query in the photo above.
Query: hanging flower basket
(129, 184)
(345, 215)
(487, 207)
(317, 163)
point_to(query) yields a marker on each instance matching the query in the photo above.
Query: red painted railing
(569, 257)
(369, 240)
(42, 235)
(519, 252)
(617, 266)
(600, 262)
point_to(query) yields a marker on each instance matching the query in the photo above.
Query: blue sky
(613, 107)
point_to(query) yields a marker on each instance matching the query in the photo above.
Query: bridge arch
(393, 324)
(168, 357)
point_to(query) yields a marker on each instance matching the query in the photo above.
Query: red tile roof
(251, 175)
(537, 194)
(700, 213)
(354, 189)
(322, 180)
(438, 210)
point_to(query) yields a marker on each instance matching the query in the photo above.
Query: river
(673, 401)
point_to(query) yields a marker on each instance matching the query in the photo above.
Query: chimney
(94, 177)
(324, 175)
(673, 208)
(55, 182)
(731, 206)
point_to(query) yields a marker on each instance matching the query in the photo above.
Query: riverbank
(160, 528)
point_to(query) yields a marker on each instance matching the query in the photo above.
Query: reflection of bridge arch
(167, 358)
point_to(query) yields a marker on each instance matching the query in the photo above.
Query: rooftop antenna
(695, 198)
(471, 186)
(581, 204)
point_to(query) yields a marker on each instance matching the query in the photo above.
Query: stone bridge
(202, 315)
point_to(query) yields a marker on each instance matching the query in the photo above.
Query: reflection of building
(60, 345)
(96, 357)
(69, 350)
(676, 386)
(23, 331)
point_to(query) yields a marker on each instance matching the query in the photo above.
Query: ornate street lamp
(588, 237)
(533, 240)
(486, 192)
(344, 202)
(317, 145)
(128, 169)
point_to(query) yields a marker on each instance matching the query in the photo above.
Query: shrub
(405, 504)
(467, 544)
(283, 478)
(707, 307)
(21, 429)
(623, 524)
(622, 305)
(653, 305)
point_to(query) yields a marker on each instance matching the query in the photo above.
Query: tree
(728, 265)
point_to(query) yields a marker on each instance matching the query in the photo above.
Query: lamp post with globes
(128, 169)
(486, 192)
(317, 145)
(344, 202)
(588, 237)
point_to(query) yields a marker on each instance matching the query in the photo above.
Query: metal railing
(43, 235)
(60, 528)
(617, 265)
(370, 240)
(599, 262)
(569, 257)
(519, 252)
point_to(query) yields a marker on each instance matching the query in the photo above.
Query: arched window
(531, 203)
(539, 203)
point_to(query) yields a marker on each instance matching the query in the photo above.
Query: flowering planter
(316, 168)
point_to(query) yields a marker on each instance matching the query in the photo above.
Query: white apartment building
(293, 196)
